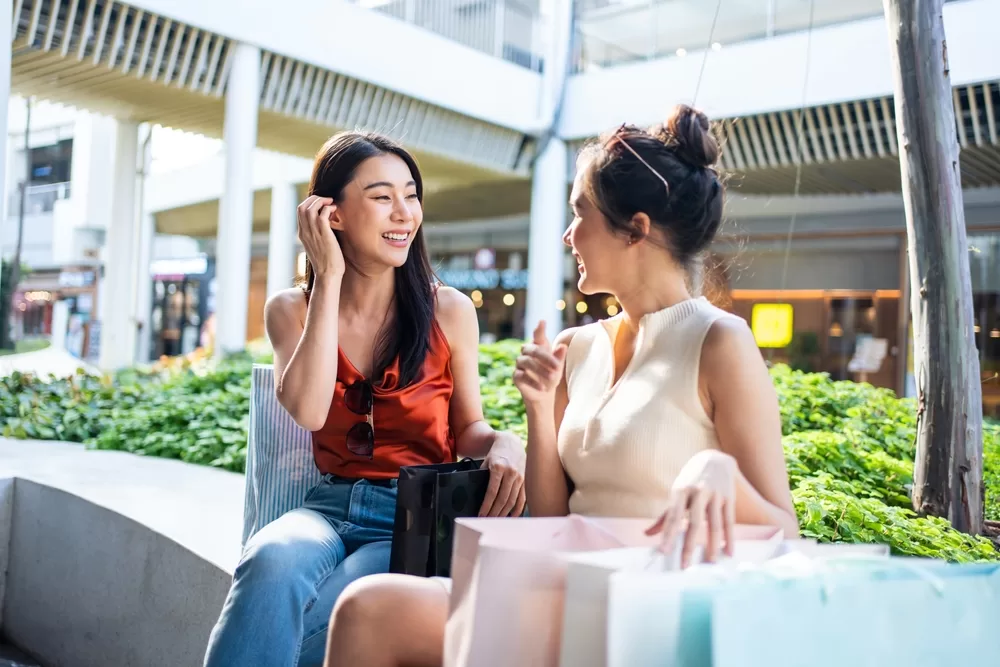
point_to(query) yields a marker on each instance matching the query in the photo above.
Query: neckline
(390, 375)
(657, 321)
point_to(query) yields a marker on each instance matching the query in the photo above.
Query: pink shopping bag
(509, 583)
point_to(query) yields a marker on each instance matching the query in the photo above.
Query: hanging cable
(799, 143)
(708, 49)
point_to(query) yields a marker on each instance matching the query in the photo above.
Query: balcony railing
(38, 199)
(506, 29)
(614, 32)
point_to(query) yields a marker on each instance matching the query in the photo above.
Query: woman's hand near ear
(317, 237)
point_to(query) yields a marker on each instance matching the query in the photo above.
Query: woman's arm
(504, 452)
(744, 408)
(545, 478)
(305, 337)
(305, 350)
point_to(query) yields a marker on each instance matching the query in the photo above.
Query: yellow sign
(771, 324)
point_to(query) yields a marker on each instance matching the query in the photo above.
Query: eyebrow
(386, 184)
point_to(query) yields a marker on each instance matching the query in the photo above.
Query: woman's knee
(369, 600)
(416, 609)
(289, 548)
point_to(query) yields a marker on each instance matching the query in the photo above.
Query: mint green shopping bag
(865, 613)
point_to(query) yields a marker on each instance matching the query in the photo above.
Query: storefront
(984, 265)
(496, 281)
(60, 301)
(826, 303)
(181, 304)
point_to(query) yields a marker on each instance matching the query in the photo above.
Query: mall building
(495, 98)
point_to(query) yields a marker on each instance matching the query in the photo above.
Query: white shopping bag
(585, 619)
(508, 579)
(666, 618)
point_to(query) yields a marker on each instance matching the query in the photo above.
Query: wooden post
(948, 472)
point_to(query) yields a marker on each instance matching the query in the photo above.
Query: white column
(117, 325)
(6, 9)
(281, 238)
(144, 289)
(546, 264)
(236, 206)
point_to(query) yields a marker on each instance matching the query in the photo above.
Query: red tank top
(411, 423)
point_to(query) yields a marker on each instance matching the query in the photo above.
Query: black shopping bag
(428, 500)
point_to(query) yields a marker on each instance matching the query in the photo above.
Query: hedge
(849, 447)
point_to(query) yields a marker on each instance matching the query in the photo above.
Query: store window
(984, 269)
(496, 281)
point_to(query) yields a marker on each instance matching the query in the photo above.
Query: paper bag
(508, 578)
(667, 618)
(860, 612)
(428, 500)
(585, 620)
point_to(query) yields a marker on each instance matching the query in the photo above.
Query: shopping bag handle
(822, 566)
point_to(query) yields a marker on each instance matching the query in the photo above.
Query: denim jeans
(294, 569)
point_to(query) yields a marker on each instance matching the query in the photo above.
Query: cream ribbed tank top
(623, 446)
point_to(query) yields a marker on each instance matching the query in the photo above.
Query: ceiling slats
(133, 47)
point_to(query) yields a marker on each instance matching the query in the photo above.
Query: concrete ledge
(112, 558)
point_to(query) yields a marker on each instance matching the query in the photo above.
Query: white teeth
(396, 237)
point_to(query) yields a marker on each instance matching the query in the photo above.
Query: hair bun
(689, 134)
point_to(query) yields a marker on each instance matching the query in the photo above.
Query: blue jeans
(294, 569)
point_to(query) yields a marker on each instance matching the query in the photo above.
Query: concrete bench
(112, 558)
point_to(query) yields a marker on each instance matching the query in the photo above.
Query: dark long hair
(335, 166)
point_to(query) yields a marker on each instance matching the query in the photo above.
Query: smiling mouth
(398, 238)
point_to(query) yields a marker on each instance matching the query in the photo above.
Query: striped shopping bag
(280, 466)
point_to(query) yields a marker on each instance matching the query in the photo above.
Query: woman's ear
(640, 228)
(336, 218)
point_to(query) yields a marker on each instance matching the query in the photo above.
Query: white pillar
(144, 289)
(117, 325)
(546, 264)
(236, 206)
(60, 323)
(6, 9)
(281, 238)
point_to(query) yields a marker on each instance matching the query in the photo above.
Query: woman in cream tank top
(648, 425)
(664, 412)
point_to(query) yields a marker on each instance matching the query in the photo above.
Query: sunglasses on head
(619, 136)
(361, 437)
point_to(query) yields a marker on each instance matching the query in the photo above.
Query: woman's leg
(372, 558)
(275, 583)
(389, 620)
(362, 513)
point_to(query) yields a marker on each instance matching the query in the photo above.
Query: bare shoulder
(729, 345)
(565, 337)
(288, 305)
(456, 314)
(452, 303)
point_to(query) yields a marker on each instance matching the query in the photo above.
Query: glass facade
(984, 265)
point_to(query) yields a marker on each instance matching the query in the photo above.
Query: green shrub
(830, 510)
(870, 472)
(991, 469)
(502, 404)
(849, 447)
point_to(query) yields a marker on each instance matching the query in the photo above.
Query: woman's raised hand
(539, 368)
(317, 237)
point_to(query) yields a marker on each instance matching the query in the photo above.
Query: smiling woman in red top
(382, 365)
